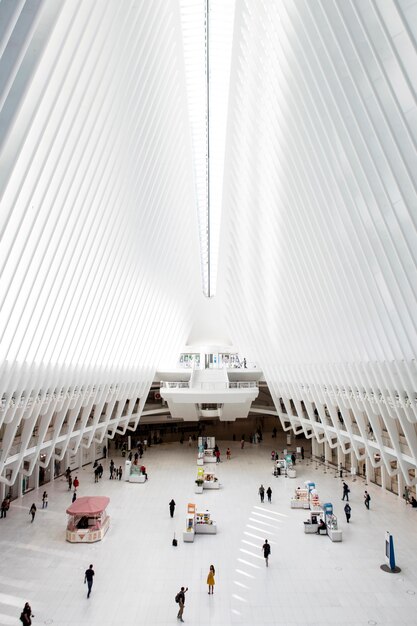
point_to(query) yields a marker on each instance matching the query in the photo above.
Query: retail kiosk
(197, 523)
(207, 445)
(301, 499)
(189, 532)
(204, 525)
(88, 520)
(280, 467)
(134, 472)
(333, 532)
(311, 525)
(210, 481)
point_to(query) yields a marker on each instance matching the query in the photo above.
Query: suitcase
(174, 541)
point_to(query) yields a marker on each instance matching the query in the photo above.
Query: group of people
(71, 483)
(348, 508)
(261, 492)
(115, 473)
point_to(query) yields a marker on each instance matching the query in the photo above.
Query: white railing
(209, 386)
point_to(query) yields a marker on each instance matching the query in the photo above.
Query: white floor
(310, 580)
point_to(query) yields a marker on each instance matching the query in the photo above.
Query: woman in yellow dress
(210, 579)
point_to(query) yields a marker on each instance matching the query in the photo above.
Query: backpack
(177, 598)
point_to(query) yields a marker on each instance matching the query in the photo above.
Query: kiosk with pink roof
(88, 520)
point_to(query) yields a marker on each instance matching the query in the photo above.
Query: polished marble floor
(310, 580)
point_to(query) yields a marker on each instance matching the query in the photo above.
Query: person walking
(120, 473)
(210, 579)
(111, 469)
(180, 598)
(74, 496)
(100, 471)
(4, 508)
(217, 453)
(228, 454)
(172, 508)
(302, 453)
(267, 551)
(367, 499)
(269, 493)
(26, 615)
(32, 512)
(88, 578)
(45, 500)
(293, 458)
(347, 511)
(96, 474)
(242, 443)
(76, 483)
(346, 492)
(261, 493)
(69, 482)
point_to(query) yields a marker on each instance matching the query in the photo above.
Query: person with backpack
(267, 551)
(346, 491)
(180, 599)
(367, 499)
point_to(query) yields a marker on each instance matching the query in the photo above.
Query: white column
(384, 477)
(401, 485)
(314, 447)
(327, 453)
(370, 472)
(36, 472)
(19, 484)
(354, 465)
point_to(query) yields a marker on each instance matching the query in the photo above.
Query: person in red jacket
(76, 483)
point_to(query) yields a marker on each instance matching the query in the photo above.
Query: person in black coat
(347, 511)
(26, 615)
(172, 508)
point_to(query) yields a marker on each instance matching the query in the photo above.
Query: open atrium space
(208, 312)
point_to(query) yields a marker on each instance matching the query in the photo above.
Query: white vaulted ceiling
(321, 203)
(101, 169)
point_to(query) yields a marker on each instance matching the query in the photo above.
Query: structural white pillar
(36, 473)
(314, 447)
(384, 477)
(370, 472)
(20, 484)
(353, 464)
(401, 485)
(327, 453)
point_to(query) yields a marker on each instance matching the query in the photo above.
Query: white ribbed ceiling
(320, 248)
(101, 176)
